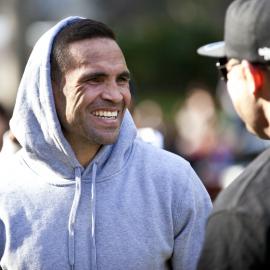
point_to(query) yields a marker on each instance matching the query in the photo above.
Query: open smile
(106, 114)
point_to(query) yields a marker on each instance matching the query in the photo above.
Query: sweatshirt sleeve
(234, 242)
(193, 211)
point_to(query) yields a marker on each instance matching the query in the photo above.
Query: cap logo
(265, 52)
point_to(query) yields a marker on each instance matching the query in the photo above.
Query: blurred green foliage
(162, 58)
(160, 39)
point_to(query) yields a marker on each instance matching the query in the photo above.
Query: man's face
(246, 104)
(94, 93)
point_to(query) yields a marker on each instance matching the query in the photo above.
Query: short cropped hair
(81, 29)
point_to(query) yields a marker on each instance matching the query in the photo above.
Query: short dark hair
(77, 30)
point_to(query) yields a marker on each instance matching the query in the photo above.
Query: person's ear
(254, 77)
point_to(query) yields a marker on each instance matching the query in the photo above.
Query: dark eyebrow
(100, 74)
(125, 74)
(90, 75)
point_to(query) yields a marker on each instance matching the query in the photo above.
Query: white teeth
(106, 114)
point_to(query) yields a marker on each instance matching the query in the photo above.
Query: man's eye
(94, 80)
(123, 80)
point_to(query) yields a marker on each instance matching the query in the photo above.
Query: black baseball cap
(246, 33)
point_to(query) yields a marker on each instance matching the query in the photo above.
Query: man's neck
(84, 151)
(86, 155)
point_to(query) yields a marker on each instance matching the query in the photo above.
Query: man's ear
(254, 77)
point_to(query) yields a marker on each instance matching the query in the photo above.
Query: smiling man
(84, 192)
(91, 93)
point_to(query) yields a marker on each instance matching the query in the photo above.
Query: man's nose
(112, 91)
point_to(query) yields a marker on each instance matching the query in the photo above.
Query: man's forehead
(95, 46)
(91, 51)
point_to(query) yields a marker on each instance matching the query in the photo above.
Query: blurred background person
(4, 119)
(10, 145)
(200, 137)
(148, 117)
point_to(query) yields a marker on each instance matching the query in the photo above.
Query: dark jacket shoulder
(250, 189)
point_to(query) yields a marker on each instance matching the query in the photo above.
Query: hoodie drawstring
(72, 217)
(93, 216)
(73, 214)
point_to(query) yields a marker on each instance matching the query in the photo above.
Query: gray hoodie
(134, 207)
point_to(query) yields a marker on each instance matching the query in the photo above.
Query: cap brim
(216, 49)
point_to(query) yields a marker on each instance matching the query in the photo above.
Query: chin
(264, 135)
(259, 132)
(107, 139)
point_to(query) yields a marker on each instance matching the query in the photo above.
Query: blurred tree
(164, 54)
(160, 39)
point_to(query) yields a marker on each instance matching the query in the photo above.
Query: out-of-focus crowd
(8, 143)
(206, 131)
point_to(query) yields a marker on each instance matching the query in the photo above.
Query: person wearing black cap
(238, 230)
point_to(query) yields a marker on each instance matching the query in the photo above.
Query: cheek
(238, 92)
(243, 103)
(127, 97)
(236, 99)
(237, 86)
(235, 89)
(88, 93)
(77, 100)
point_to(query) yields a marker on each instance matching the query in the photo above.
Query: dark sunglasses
(221, 65)
(222, 69)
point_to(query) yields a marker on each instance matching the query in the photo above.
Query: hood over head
(35, 123)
